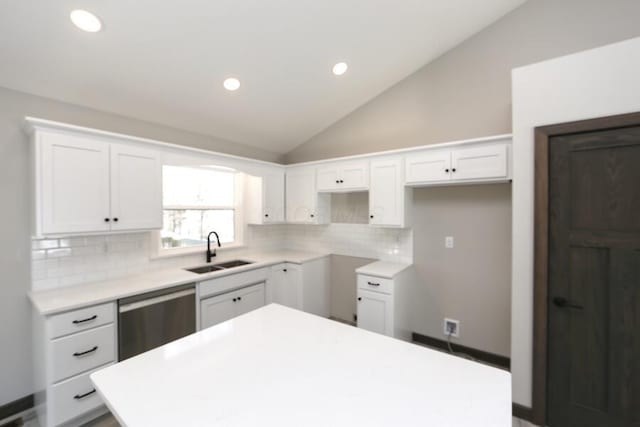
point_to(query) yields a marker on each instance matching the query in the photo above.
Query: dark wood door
(594, 279)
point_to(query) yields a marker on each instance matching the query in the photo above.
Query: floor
(107, 420)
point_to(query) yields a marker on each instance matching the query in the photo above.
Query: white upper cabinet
(485, 162)
(476, 163)
(72, 184)
(136, 188)
(265, 198)
(304, 205)
(428, 166)
(343, 176)
(90, 185)
(388, 197)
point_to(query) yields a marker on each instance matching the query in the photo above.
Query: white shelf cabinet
(304, 204)
(384, 303)
(226, 306)
(68, 347)
(264, 199)
(302, 286)
(85, 184)
(343, 177)
(461, 164)
(389, 199)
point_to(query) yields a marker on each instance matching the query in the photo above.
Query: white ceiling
(164, 61)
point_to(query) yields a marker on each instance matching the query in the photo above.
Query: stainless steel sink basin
(220, 266)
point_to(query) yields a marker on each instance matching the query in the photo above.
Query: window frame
(157, 251)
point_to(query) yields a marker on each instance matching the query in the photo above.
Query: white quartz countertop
(281, 367)
(69, 298)
(384, 269)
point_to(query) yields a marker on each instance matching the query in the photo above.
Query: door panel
(301, 196)
(375, 312)
(75, 184)
(594, 279)
(488, 162)
(136, 188)
(328, 178)
(431, 166)
(216, 310)
(251, 299)
(354, 176)
(385, 202)
(274, 197)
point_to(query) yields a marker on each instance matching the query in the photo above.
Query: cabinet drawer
(73, 397)
(232, 281)
(81, 352)
(375, 284)
(80, 320)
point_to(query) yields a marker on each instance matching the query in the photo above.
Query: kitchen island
(278, 366)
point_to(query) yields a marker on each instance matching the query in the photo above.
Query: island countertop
(277, 366)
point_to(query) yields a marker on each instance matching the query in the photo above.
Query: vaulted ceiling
(165, 61)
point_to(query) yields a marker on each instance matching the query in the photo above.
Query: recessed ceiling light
(231, 84)
(340, 68)
(86, 21)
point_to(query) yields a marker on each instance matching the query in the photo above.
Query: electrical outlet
(452, 327)
(448, 242)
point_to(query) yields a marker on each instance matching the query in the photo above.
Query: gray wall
(466, 93)
(15, 320)
(470, 282)
(343, 285)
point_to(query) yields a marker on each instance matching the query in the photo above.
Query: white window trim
(157, 251)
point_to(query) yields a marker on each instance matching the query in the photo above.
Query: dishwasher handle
(155, 300)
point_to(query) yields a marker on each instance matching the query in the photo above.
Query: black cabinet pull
(337, 181)
(82, 396)
(446, 170)
(82, 353)
(371, 216)
(107, 220)
(564, 303)
(453, 170)
(359, 298)
(115, 219)
(266, 215)
(373, 284)
(341, 181)
(284, 269)
(88, 319)
(312, 215)
(234, 300)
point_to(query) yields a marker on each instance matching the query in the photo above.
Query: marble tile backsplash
(70, 261)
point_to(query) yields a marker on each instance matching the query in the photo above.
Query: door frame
(543, 134)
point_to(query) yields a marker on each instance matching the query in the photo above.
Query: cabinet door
(328, 178)
(287, 285)
(250, 298)
(386, 194)
(375, 312)
(217, 309)
(487, 162)
(429, 166)
(273, 197)
(301, 196)
(73, 184)
(136, 188)
(354, 176)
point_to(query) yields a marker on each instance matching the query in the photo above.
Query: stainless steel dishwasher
(156, 318)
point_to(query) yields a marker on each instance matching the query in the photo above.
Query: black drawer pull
(563, 303)
(373, 284)
(88, 319)
(82, 353)
(82, 396)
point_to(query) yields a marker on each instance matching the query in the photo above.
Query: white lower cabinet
(302, 286)
(384, 303)
(375, 312)
(68, 347)
(226, 306)
(74, 396)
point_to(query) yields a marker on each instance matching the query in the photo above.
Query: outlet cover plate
(449, 324)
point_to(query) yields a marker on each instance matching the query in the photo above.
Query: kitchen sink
(217, 267)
